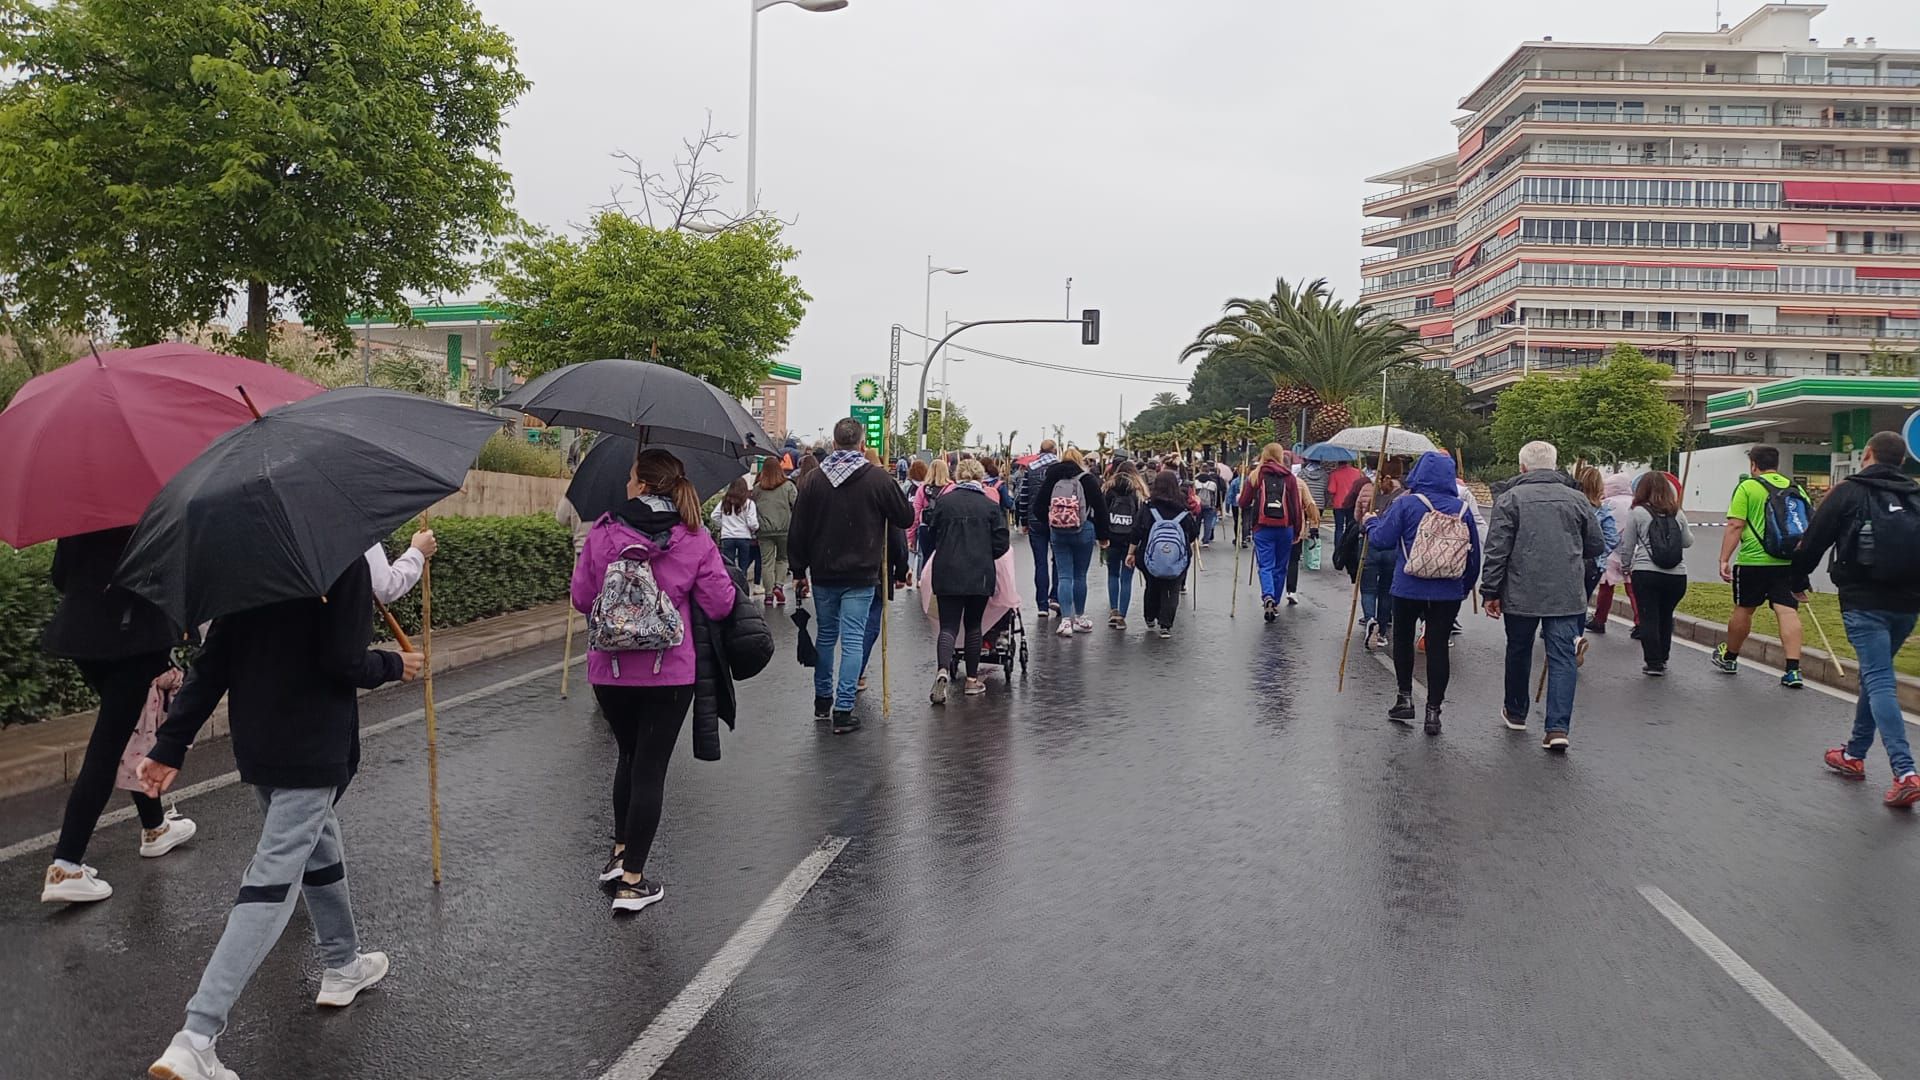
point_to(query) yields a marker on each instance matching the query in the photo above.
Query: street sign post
(869, 408)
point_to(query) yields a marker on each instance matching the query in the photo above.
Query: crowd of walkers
(673, 622)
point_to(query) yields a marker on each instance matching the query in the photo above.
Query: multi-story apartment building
(1743, 204)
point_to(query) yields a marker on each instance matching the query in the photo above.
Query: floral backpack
(632, 612)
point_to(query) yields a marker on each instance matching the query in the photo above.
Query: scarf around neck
(842, 464)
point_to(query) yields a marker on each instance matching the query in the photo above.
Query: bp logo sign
(866, 390)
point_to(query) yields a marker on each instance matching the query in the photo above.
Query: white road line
(228, 779)
(690, 1006)
(1386, 661)
(1804, 1027)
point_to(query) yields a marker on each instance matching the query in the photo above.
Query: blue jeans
(1562, 674)
(873, 630)
(1046, 576)
(1272, 547)
(1207, 519)
(1119, 578)
(1376, 585)
(842, 610)
(1876, 637)
(737, 551)
(1072, 557)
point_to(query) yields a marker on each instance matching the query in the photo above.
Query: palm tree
(1164, 398)
(1320, 351)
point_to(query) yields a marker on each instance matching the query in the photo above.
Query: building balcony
(1484, 293)
(1399, 226)
(1711, 371)
(1560, 77)
(1798, 165)
(1607, 331)
(1428, 251)
(1535, 117)
(1430, 188)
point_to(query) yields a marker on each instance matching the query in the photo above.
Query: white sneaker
(173, 831)
(339, 986)
(1293, 598)
(68, 887)
(183, 1062)
(1083, 624)
(1066, 628)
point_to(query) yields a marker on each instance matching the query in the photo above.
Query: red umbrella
(88, 445)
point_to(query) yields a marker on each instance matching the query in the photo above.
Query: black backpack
(1666, 544)
(1883, 541)
(1122, 507)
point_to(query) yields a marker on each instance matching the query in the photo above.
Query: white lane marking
(690, 1006)
(1749, 662)
(1386, 661)
(1804, 1027)
(228, 779)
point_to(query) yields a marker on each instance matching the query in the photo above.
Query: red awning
(1797, 232)
(1444, 296)
(1509, 228)
(1465, 258)
(1857, 193)
(1436, 328)
(1471, 145)
(1887, 271)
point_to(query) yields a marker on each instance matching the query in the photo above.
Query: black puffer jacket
(738, 647)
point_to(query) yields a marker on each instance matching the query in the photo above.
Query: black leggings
(122, 686)
(953, 611)
(1655, 595)
(1293, 566)
(1440, 616)
(646, 722)
(1163, 599)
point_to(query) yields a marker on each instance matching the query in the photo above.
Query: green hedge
(33, 685)
(486, 566)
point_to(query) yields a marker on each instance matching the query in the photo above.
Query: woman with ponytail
(645, 695)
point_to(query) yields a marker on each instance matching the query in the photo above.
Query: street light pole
(753, 88)
(926, 338)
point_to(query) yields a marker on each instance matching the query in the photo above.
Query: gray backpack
(632, 613)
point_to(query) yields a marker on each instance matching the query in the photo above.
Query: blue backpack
(1166, 553)
(1784, 518)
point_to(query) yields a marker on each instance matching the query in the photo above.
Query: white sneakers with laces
(174, 830)
(1066, 628)
(184, 1061)
(82, 886)
(339, 986)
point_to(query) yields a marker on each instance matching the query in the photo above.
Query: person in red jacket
(1272, 498)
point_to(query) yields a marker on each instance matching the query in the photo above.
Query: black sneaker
(822, 708)
(611, 872)
(844, 721)
(1269, 609)
(1402, 709)
(1595, 626)
(1636, 634)
(1512, 724)
(1655, 670)
(1433, 720)
(634, 896)
(1721, 661)
(1556, 741)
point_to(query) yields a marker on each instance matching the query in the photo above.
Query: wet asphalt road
(1149, 859)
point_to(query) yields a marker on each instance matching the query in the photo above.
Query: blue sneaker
(1720, 659)
(1792, 680)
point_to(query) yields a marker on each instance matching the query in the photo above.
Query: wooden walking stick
(1353, 606)
(1833, 660)
(1541, 691)
(433, 743)
(566, 659)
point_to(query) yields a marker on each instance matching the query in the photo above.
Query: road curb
(47, 754)
(1837, 672)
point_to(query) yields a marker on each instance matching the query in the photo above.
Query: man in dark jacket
(290, 671)
(1541, 537)
(1878, 601)
(839, 541)
(1046, 576)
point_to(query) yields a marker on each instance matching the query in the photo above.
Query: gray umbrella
(652, 403)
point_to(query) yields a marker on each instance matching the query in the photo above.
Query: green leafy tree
(721, 307)
(333, 155)
(30, 351)
(957, 426)
(1224, 383)
(1622, 411)
(1539, 406)
(1887, 361)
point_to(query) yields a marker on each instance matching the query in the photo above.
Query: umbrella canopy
(89, 444)
(1366, 440)
(1330, 452)
(279, 508)
(653, 403)
(600, 483)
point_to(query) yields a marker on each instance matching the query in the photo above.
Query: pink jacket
(689, 569)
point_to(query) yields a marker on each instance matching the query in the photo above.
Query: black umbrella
(656, 404)
(279, 508)
(600, 483)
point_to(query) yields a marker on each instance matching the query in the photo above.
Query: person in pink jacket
(645, 696)
(1619, 499)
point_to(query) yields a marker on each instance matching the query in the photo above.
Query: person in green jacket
(773, 496)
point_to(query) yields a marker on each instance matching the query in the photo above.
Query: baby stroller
(1000, 646)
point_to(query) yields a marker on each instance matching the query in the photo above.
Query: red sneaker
(1839, 762)
(1905, 791)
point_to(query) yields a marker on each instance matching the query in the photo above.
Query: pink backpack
(1440, 545)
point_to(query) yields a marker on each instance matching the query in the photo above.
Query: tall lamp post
(753, 88)
(926, 337)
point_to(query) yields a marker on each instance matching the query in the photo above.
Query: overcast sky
(1165, 155)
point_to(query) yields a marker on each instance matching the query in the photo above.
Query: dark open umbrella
(600, 483)
(278, 508)
(653, 403)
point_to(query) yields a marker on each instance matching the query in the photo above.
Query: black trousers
(1293, 565)
(1440, 615)
(122, 686)
(646, 722)
(954, 611)
(1655, 596)
(1163, 599)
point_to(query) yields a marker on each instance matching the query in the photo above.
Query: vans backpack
(1884, 540)
(1067, 506)
(632, 613)
(1666, 544)
(1166, 553)
(1122, 506)
(1784, 518)
(1440, 545)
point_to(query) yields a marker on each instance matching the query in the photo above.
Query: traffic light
(1090, 326)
